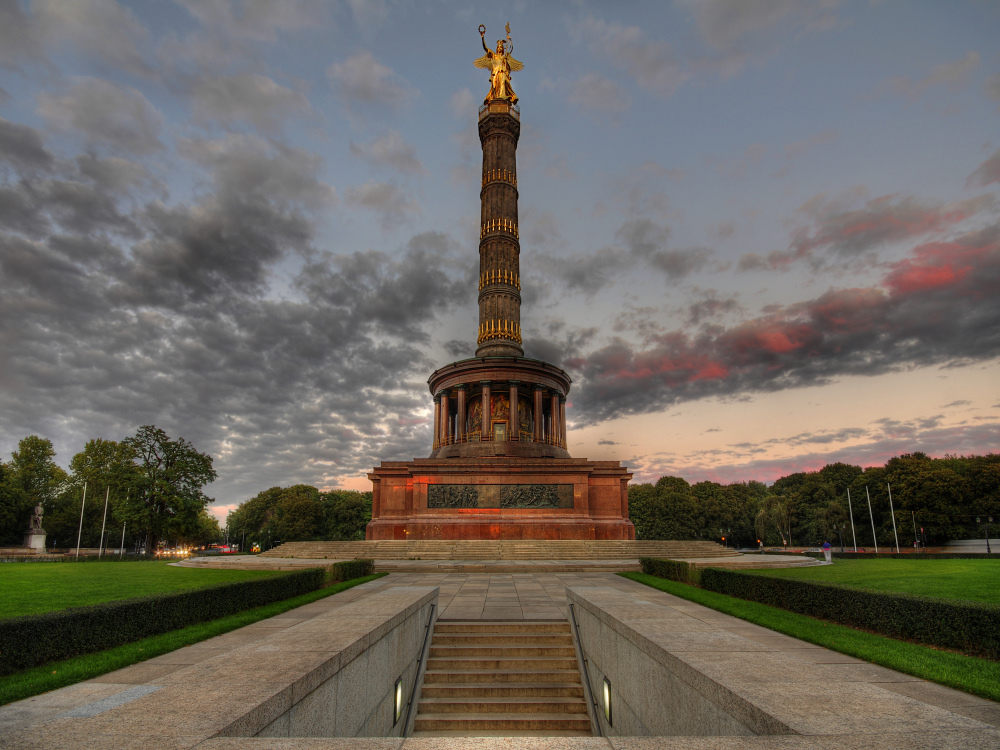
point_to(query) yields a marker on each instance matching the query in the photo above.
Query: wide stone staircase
(502, 678)
(507, 549)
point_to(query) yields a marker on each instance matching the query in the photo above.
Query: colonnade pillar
(538, 416)
(486, 429)
(554, 419)
(460, 427)
(445, 420)
(437, 423)
(514, 431)
(562, 421)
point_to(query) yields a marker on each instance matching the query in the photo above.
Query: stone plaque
(507, 496)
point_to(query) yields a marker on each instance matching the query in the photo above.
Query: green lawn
(976, 580)
(58, 674)
(978, 676)
(32, 588)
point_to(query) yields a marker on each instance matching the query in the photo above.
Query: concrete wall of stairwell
(648, 696)
(353, 698)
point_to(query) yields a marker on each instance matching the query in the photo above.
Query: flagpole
(872, 516)
(104, 521)
(893, 513)
(79, 531)
(851, 511)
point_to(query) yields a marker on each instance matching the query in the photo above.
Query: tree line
(152, 486)
(942, 496)
(300, 513)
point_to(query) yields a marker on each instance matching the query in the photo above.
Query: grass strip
(977, 676)
(69, 671)
(31, 589)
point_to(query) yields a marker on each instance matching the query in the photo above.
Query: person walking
(827, 552)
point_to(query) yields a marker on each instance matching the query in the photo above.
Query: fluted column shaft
(499, 246)
(486, 430)
(460, 427)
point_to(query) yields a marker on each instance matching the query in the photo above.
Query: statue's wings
(515, 64)
(483, 62)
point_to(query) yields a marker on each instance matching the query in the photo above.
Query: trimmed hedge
(969, 627)
(672, 570)
(910, 556)
(36, 639)
(350, 569)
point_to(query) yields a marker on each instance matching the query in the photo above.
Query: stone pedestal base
(500, 498)
(35, 541)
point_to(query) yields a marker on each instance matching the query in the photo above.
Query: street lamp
(989, 520)
(840, 532)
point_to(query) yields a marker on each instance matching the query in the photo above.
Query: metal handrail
(416, 676)
(596, 719)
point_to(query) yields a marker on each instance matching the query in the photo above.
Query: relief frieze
(506, 496)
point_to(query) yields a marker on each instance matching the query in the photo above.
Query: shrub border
(32, 640)
(969, 627)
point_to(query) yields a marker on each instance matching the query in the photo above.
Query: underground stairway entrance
(502, 678)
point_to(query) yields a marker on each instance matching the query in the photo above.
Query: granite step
(478, 676)
(504, 705)
(504, 651)
(501, 723)
(503, 678)
(502, 689)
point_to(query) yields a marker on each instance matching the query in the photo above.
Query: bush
(350, 569)
(672, 570)
(35, 639)
(910, 556)
(970, 627)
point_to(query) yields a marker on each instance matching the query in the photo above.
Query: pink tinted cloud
(939, 265)
(837, 235)
(941, 304)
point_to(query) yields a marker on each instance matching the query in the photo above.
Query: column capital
(539, 387)
(460, 387)
(485, 382)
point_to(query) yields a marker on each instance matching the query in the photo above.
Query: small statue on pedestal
(34, 537)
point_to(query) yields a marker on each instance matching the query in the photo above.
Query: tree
(299, 513)
(346, 514)
(34, 469)
(15, 509)
(166, 495)
(205, 530)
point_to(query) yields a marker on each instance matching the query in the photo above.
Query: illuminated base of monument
(500, 498)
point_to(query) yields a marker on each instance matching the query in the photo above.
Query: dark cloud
(105, 114)
(987, 173)
(640, 241)
(22, 146)
(652, 63)
(938, 306)
(839, 236)
(711, 306)
(390, 202)
(363, 79)
(247, 98)
(389, 150)
(647, 240)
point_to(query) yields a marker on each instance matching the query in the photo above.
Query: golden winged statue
(500, 64)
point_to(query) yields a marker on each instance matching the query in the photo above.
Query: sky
(760, 236)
